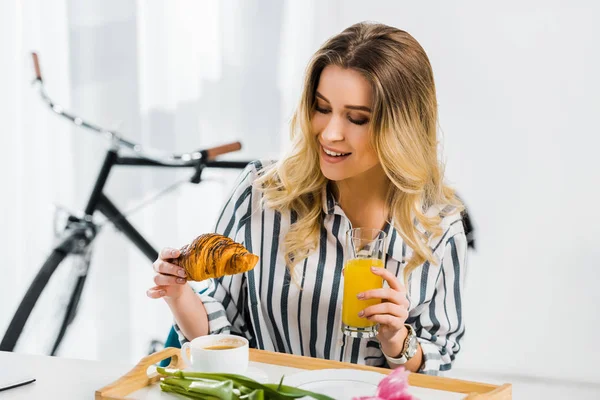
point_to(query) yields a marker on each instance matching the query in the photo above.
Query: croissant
(212, 256)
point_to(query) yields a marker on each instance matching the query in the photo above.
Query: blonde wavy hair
(404, 134)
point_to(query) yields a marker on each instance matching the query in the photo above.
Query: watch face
(412, 347)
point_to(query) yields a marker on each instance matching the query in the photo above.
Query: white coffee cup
(217, 353)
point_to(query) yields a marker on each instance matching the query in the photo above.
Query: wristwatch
(409, 350)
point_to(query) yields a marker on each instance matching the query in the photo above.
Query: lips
(334, 153)
(333, 157)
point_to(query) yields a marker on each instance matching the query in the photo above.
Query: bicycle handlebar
(36, 65)
(177, 160)
(223, 149)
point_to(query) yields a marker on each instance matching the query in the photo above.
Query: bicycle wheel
(44, 312)
(70, 313)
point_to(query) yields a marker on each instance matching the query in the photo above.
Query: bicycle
(80, 231)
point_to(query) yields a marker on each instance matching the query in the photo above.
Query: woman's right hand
(170, 278)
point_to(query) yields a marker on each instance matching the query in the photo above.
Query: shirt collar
(328, 200)
(395, 246)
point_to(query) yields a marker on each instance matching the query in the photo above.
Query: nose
(333, 131)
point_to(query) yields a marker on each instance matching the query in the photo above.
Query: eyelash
(356, 122)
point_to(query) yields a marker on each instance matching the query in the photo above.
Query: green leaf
(220, 389)
(238, 381)
(185, 380)
(176, 389)
(254, 395)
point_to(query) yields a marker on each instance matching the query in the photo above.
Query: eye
(322, 110)
(358, 121)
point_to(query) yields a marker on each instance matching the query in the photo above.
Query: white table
(56, 378)
(62, 378)
(533, 388)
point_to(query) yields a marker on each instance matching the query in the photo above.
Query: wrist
(178, 295)
(393, 347)
(189, 313)
(408, 350)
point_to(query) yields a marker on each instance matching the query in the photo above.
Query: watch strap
(403, 359)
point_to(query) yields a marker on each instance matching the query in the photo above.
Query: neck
(364, 198)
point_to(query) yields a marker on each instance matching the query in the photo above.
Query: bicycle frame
(80, 232)
(98, 201)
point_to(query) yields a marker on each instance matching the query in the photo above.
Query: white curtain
(36, 166)
(174, 76)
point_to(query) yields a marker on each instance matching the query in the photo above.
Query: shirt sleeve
(441, 326)
(225, 297)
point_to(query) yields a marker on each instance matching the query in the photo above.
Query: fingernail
(173, 252)
(373, 269)
(162, 292)
(361, 314)
(181, 272)
(360, 295)
(180, 280)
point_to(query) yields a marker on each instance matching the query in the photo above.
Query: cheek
(372, 154)
(362, 145)
(318, 123)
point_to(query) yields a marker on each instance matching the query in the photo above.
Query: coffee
(203, 354)
(220, 347)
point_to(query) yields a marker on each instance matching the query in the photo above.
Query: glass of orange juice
(365, 248)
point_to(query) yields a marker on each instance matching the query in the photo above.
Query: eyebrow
(360, 108)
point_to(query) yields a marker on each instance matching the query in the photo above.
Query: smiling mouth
(335, 154)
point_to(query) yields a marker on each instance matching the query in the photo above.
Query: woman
(363, 155)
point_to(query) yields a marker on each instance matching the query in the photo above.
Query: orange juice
(359, 278)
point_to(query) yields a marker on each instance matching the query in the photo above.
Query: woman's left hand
(391, 313)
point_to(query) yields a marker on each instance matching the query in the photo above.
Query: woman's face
(341, 123)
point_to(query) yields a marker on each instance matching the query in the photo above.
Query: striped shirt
(268, 308)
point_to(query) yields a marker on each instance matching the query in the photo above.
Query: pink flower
(367, 398)
(392, 387)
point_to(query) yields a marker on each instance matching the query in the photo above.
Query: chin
(333, 173)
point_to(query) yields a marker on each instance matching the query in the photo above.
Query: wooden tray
(138, 378)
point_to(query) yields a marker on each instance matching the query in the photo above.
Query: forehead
(342, 86)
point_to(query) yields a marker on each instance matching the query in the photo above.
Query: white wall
(518, 90)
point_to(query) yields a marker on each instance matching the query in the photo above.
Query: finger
(165, 280)
(389, 278)
(387, 294)
(156, 292)
(166, 268)
(169, 253)
(385, 308)
(388, 320)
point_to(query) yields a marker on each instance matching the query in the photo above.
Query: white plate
(340, 384)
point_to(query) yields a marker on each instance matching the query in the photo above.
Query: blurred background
(518, 91)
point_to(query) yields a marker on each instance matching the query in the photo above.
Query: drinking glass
(365, 248)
